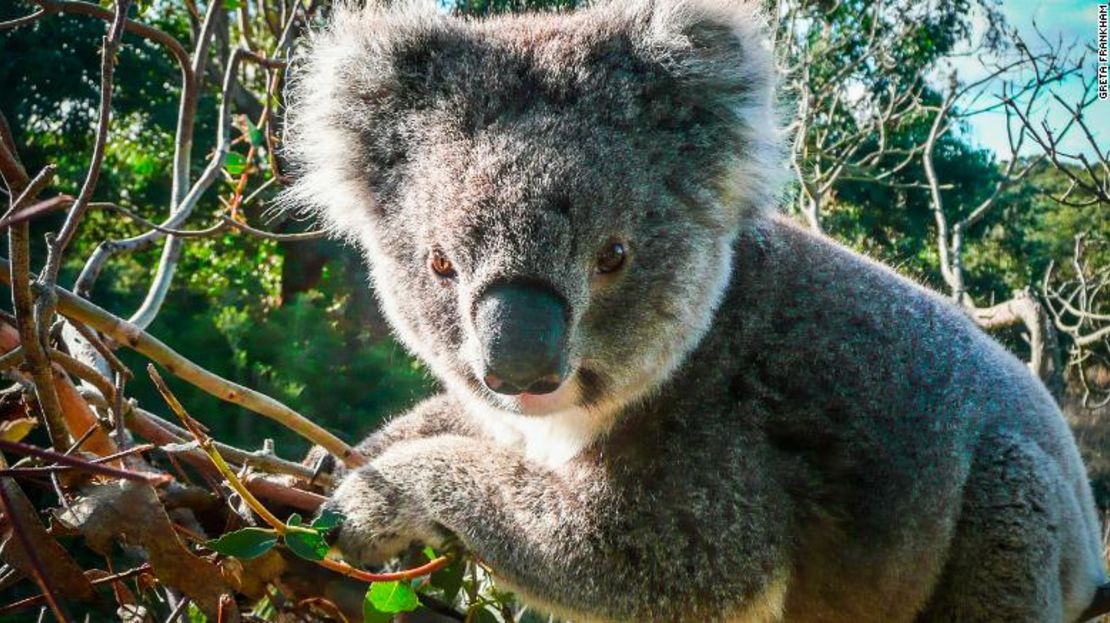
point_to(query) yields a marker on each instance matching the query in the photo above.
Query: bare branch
(109, 46)
(23, 21)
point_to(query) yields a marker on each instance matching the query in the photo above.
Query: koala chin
(663, 402)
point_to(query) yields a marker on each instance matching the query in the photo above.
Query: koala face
(547, 202)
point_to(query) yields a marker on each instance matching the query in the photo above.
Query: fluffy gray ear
(718, 54)
(346, 94)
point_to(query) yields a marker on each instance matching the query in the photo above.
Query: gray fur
(762, 425)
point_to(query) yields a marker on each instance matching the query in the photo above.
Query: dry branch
(28, 323)
(75, 412)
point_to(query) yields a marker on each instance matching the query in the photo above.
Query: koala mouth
(566, 396)
(582, 389)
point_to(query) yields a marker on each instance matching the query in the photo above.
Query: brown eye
(441, 265)
(611, 258)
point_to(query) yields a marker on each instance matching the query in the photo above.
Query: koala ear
(717, 50)
(347, 95)
(718, 63)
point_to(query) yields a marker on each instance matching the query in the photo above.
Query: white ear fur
(351, 52)
(757, 172)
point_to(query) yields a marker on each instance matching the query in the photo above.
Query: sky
(1074, 21)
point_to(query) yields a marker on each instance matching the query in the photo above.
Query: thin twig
(83, 371)
(109, 46)
(11, 359)
(79, 463)
(21, 21)
(209, 448)
(39, 209)
(44, 470)
(31, 602)
(101, 348)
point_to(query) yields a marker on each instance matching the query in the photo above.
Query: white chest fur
(550, 440)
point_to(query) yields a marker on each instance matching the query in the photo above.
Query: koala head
(547, 201)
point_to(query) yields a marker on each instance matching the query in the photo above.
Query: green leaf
(392, 597)
(370, 614)
(232, 5)
(306, 543)
(246, 543)
(450, 579)
(327, 520)
(235, 163)
(194, 614)
(257, 139)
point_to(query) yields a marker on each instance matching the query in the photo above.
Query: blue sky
(1074, 21)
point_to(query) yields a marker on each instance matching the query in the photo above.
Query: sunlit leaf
(392, 597)
(235, 163)
(370, 614)
(15, 430)
(194, 614)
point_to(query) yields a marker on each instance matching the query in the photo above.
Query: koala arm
(537, 529)
(437, 415)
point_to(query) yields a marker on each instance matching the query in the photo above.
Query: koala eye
(611, 258)
(441, 265)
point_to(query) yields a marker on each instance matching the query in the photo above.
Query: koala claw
(380, 519)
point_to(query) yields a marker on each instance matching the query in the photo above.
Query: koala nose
(522, 328)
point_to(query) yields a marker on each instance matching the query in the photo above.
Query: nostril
(546, 385)
(500, 386)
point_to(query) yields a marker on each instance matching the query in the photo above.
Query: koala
(662, 400)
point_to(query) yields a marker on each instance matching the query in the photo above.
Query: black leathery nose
(522, 328)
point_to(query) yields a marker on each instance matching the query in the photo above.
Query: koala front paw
(380, 519)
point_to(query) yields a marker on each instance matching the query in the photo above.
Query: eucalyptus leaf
(450, 578)
(245, 544)
(257, 139)
(328, 520)
(306, 543)
(235, 163)
(393, 597)
(370, 614)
